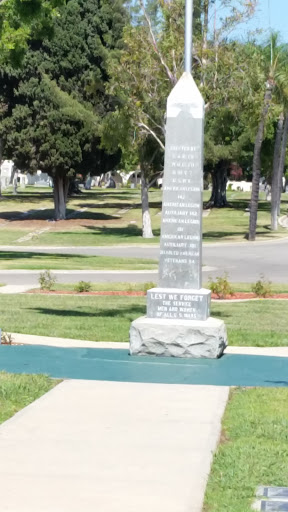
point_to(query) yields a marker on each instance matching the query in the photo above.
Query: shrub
(47, 280)
(221, 286)
(131, 287)
(262, 288)
(83, 286)
(148, 286)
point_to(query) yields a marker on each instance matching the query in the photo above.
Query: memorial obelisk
(178, 321)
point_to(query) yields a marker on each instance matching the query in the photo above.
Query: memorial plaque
(273, 492)
(175, 303)
(274, 506)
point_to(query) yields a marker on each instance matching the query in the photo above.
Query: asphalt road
(244, 262)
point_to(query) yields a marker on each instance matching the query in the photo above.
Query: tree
(61, 98)
(282, 158)
(228, 129)
(281, 138)
(276, 172)
(141, 91)
(19, 21)
(22, 19)
(152, 62)
(271, 60)
(223, 68)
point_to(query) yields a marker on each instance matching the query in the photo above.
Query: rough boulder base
(175, 338)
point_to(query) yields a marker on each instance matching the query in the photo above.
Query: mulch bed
(236, 296)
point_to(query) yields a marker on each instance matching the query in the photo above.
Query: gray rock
(178, 338)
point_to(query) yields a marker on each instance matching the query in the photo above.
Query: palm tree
(276, 172)
(280, 144)
(270, 68)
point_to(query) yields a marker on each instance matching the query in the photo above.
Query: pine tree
(61, 99)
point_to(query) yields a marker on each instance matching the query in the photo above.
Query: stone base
(178, 338)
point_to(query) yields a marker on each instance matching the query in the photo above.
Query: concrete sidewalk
(16, 288)
(111, 447)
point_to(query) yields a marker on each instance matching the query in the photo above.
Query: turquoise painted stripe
(117, 365)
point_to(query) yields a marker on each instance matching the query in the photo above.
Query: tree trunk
(282, 159)
(14, 170)
(257, 163)
(15, 185)
(204, 42)
(66, 184)
(1, 156)
(276, 173)
(60, 192)
(146, 219)
(218, 197)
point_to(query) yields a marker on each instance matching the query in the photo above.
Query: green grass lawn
(127, 234)
(231, 224)
(113, 216)
(41, 261)
(261, 323)
(253, 451)
(18, 391)
(10, 236)
(108, 318)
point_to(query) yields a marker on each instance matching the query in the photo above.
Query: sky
(278, 16)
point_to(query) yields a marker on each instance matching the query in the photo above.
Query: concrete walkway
(111, 447)
(16, 288)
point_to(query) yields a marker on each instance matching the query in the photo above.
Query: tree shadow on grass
(236, 205)
(27, 197)
(121, 232)
(224, 234)
(48, 214)
(15, 216)
(242, 204)
(220, 314)
(11, 255)
(121, 205)
(130, 310)
(265, 231)
(99, 206)
(94, 216)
